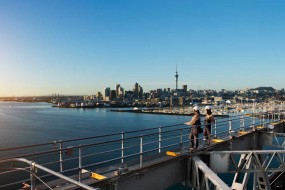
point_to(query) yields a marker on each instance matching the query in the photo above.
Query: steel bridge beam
(209, 179)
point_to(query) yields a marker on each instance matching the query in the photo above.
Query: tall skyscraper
(113, 95)
(185, 88)
(118, 89)
(136, 90)
(140, 91)
(121, 93)
(106, 93)
(176, 78)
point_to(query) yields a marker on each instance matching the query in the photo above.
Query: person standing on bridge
(194, 131)
(209, 119)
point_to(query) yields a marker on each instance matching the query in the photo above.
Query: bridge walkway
(156, 158)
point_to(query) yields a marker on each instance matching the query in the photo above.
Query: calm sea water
(31, 123)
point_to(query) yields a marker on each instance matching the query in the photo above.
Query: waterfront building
(174, 101)
(140, 92)
(181, 101)
(113, 95)
(185, 88)
(121, 93)
(118, 90)
(159, 92)
(98, 95)
(106, 93)
(136, 90)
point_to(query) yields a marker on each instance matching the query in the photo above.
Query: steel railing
(95, 152)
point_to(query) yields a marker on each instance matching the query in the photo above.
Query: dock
(158, 112)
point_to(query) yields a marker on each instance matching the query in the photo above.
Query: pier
(246, 152)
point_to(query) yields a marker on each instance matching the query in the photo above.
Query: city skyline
(71, 47)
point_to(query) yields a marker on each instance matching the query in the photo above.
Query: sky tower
(176, 78)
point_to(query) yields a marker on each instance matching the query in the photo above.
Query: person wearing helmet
(209, 119)
(196, 124)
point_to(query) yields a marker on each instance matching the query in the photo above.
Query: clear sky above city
(79, 47)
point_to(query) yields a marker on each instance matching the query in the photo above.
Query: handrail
(98, 143)
(34, 166)
(98, 136)
(170, 137)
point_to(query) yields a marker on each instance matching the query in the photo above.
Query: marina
(160, 112)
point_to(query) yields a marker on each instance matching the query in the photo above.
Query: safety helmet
(196, 108)
(207, 108)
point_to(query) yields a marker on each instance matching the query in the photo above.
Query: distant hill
(264, 89)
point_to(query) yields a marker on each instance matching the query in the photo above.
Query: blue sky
(80, 47)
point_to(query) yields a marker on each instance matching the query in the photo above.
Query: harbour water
(31, 123)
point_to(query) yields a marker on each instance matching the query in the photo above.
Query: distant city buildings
(160, 97)
(138, 91)
(166, 97)
(106, 94)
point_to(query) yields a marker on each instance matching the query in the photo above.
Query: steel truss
(261, 163)
(204, 178)
(278, 140)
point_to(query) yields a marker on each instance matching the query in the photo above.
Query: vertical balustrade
(241, 123)
(215, 135)
(141, 151)
(259, 117)
(263, 119)
(60, 156)
(122, 147)
(230, 126)
(279, 115)
(159, 140)
(253, 121)
(79, 163)
(32, 175)
(181, 140)
(253, 118)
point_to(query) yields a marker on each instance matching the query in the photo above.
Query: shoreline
(161, 113)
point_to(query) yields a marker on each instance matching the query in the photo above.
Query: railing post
(159, 140)
(252, 122)
(122, 147)
(60, 156)
(33, 179)
(141, 151)
(259, 117)
(79, 162)
(241, 123)
(181, 140)
(216, 128)
(263, 119)
(230, 126)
